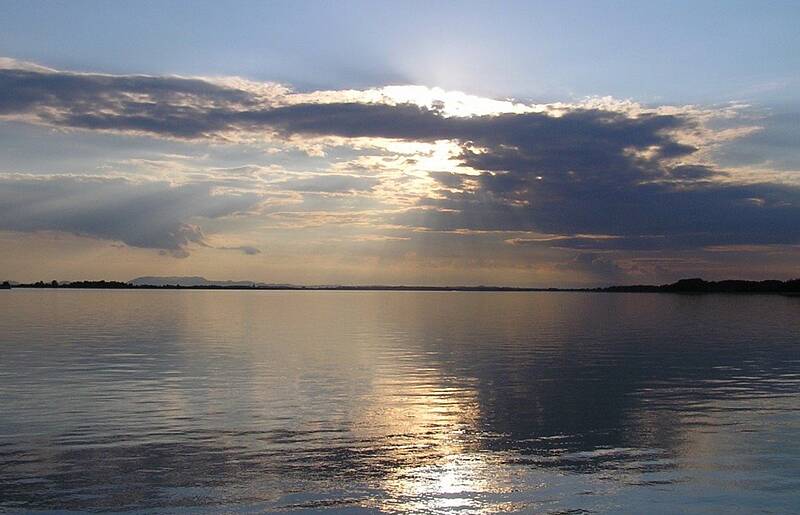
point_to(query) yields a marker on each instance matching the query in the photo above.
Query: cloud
(199, 108)
(172, 106)
(640, 216)
(595, 265)
(146, 214)
(330, 183)
(601, 175)
(245, 249)
(774, 146)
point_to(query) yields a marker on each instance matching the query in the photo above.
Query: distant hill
(186, 281)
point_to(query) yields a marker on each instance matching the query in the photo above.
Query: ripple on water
(398, 402)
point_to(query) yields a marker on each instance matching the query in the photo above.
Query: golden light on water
(438, 465)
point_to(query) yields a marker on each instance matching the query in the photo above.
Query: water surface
(431, 402)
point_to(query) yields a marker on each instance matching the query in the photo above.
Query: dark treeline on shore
(700, 286)
(683, 286)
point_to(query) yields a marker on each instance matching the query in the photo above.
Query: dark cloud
(151, 214)
(583, 148)
(645, 216)
(168, 106)
(449, 179)
(191, 108)
(586, 171)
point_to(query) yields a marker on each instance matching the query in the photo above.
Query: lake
(397, 402)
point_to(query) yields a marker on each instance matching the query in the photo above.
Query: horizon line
(688, 285)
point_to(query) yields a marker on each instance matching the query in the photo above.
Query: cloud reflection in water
(396, 402)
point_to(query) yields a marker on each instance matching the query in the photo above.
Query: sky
(441, 143)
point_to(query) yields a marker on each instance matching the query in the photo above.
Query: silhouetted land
(700, 286)
(694, 286)
(254, 286)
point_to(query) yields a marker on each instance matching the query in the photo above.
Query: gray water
(434, 402)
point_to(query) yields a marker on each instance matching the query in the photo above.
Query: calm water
(187, 401)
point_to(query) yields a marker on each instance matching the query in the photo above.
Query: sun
(453, 103)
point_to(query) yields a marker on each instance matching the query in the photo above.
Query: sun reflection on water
(202, 402)
(439, 467)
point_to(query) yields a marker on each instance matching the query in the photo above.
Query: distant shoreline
(686, 286)
(127, 286)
